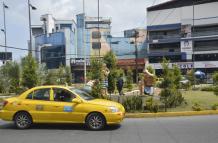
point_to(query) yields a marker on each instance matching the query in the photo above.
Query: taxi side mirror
(77, 101)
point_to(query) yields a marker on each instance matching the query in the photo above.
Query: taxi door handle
(56, 106)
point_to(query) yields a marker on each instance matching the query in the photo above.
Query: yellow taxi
(60, 104)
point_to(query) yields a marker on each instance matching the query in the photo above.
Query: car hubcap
(96, 122)
(22, 121)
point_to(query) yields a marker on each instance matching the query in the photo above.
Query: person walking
(120, 85)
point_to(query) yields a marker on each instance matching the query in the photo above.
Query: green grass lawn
(205, 99)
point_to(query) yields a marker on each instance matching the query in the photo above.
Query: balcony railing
(156, 37)
(205, 33)
(206, 48)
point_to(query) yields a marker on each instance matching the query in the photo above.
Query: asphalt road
(198, 129)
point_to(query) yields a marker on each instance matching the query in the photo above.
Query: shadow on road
(11, 126)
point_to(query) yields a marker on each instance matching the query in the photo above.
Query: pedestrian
(120, 85)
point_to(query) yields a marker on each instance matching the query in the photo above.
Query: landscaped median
(171, 114)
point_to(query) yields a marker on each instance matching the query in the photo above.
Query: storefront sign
(130, 62)
(189, 65)
(79, 61)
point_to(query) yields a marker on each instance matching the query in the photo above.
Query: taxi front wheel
(95, 121)
(22, 120)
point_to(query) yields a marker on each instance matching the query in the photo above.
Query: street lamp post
(30, 30)
(4, 30)
(84, 42)
(136, 34)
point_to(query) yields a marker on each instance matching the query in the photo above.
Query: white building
(185, 32)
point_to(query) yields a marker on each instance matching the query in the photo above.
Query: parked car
(60, 104)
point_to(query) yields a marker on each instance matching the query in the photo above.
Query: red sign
(130, 62)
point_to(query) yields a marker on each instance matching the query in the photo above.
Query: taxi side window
(30, 96)
(63, 95)
(40, 94)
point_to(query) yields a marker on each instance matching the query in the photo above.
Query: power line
(10, 47)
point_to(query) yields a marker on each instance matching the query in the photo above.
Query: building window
(96, 45)
(96, 35)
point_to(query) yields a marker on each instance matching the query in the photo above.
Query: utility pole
(84, 41)
(136, 54)
(99, 38)
(193, 43)
(30, 30)
(5, 30)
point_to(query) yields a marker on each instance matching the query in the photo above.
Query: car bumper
(115, 118)
(6, 115)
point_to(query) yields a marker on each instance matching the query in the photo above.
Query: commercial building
(130, 49)
(54, 42)
(92, 35)
(66, 42)
(184, 32)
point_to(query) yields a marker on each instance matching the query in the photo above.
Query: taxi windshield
(82, 94)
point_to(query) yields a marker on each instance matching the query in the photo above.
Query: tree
(191, 76)
(129, 79)
(110, 60)
(96, 68)
(10, 77)
(68, 75)
(61, 75)
(96, 73)
(170, 94)
(166, 84)
(111, 63)
(150, 69)
(29, 72)
(215, 81)
(215, 78)
(42, 73)
(176, 76)
(51, 78)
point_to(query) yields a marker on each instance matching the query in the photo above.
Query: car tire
(22, 120)
(95, 121)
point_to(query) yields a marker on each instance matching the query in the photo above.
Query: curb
(171, 114)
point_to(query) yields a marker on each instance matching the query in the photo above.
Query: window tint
(30, 96)
(63, 95)
(41, 94)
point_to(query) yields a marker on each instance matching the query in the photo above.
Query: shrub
(129, 79)
(133, 103)
(207, 88)
(96, 90)
(214, 106)
(186, 86)
(152, 105)
(196, 107)
(216, 90)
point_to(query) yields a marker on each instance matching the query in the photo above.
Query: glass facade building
(54, 42)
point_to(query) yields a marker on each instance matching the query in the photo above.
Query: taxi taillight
(5, 103)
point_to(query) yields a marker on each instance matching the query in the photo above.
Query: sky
(125, 14)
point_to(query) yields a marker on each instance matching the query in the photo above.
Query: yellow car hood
(104, 102)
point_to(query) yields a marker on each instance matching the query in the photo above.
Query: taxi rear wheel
(95, 121)
(22, 120)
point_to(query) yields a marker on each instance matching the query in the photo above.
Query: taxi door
(39, 105)
(64, 110)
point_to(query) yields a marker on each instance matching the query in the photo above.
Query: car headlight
(113, 109)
